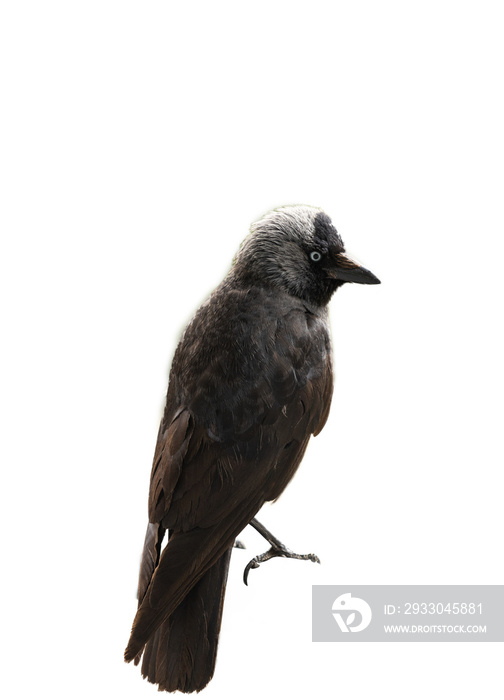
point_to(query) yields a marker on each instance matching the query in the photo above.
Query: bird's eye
(315, 256)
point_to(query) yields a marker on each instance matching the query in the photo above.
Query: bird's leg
(277, 550)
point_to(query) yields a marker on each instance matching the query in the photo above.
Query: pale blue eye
(315, 255)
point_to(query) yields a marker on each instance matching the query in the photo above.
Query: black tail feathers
(181, 653)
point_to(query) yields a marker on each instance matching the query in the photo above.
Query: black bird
(251, 381)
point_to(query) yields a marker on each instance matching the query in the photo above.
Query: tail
(178, 620)
(181, 653)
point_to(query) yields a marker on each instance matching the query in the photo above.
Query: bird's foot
(276, 550)
(239, 545)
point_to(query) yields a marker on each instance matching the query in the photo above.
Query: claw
(276, 551)
(253, 564)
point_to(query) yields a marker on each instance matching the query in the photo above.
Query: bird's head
(298, 249)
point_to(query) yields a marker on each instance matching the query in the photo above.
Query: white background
(138, 142)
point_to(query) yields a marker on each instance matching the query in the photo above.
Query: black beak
(346, 270)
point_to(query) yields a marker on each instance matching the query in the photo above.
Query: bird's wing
(213, 471)
(171, 449)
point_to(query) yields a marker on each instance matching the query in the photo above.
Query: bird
(250, 382)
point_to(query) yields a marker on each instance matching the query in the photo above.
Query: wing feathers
(150, 557)
(185, 559)
(168, 459)
(225, 447)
